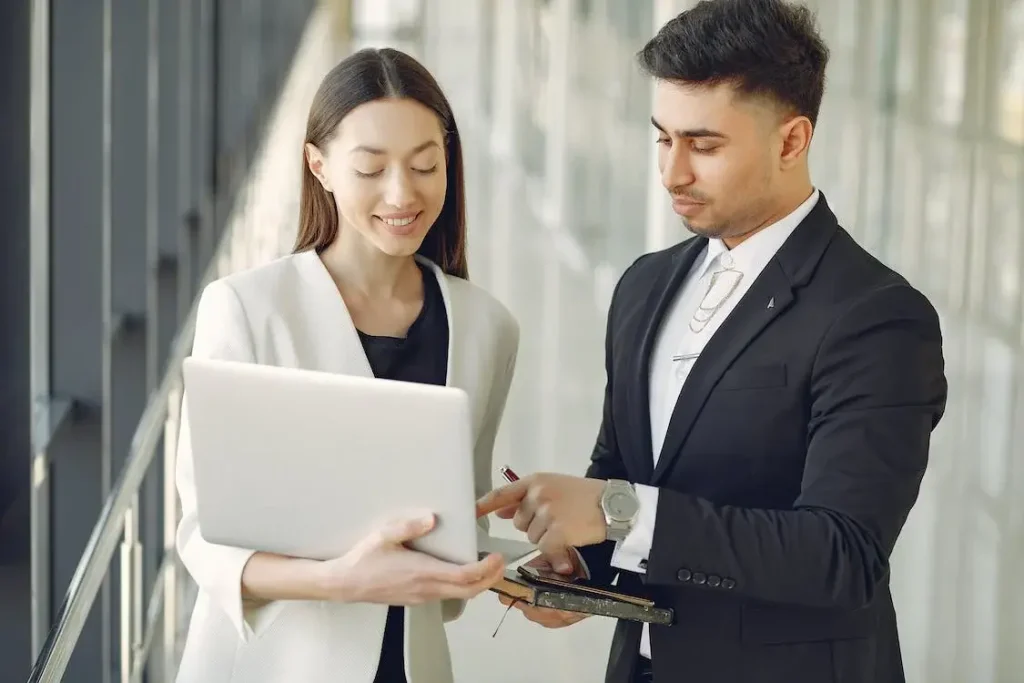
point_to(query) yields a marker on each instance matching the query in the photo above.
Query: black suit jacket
(792, 459)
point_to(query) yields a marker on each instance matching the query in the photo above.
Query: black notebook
(547, 589)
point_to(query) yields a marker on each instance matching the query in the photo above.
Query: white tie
(724, 281)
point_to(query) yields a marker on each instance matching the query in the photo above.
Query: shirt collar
(753, 253)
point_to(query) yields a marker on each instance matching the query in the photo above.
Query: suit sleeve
(877, 391)
(222, 332)
(606, 459)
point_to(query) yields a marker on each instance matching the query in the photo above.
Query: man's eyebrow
(692, 133)
(378, 151)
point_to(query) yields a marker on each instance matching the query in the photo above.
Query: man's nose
(676, 170)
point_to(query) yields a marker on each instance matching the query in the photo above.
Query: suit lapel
(470, 366)
(770, 295)
(664, 290)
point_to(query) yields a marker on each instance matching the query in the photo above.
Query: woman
(376, 286)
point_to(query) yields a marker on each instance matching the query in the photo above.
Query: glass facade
(139, 160)
(919, 149)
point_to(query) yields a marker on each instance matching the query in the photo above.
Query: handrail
(88, 578)
(118, 523)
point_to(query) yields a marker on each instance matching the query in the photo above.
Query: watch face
(622, 506)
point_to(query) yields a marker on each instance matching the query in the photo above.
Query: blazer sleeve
(222, 332)
(483, 449)
(505, 368)
(605, 459)
(877, 390)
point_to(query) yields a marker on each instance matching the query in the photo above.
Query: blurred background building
(149, 145)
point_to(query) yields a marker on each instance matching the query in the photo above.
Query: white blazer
(289, 313)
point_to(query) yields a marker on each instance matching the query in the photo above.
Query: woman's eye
(664, 141)
(426, 171)
(372, 174)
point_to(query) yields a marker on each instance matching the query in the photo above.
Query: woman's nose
(399, 190)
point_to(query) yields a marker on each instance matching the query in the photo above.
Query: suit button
(714, 581)
(699, 578)
(684, 575)
(728, 584)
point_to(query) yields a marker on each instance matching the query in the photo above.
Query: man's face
(715, 154)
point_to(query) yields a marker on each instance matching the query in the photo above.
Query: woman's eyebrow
(379, 152)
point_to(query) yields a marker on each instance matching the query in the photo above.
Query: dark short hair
(767, 48)
(365, 76)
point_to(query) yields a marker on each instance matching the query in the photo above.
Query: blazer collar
(343, 350)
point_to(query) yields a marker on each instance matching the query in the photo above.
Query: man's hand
(548, 618)
(555, 510)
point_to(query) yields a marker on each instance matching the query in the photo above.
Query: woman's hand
(380, 569)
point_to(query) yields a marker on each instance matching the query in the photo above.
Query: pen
(509, 475)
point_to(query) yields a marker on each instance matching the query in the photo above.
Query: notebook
(547, 589)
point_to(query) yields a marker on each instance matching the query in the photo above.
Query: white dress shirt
(679, 338)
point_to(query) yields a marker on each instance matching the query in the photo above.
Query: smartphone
(580, 585)
(549, 576)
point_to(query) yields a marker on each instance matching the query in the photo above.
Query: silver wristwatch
(620, 505)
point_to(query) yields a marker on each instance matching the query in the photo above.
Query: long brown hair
(373, 74)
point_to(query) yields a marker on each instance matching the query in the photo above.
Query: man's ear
(795, 134)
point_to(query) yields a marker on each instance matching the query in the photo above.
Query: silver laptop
(305, 463)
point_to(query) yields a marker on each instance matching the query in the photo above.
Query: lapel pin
(771, 302)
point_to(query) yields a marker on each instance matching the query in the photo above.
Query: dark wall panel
(77, 363)
(15, 416)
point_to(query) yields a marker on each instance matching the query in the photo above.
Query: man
(771, 390)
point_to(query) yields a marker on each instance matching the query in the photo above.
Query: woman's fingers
(404, 529)
(487, 570)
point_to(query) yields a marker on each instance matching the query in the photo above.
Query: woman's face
(387, 170)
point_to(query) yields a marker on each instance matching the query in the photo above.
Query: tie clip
(686, 356)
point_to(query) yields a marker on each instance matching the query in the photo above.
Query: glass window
(1003, 269)
(949, 61)
(1009, 109)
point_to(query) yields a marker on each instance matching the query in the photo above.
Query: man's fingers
(548, 618)
(556, 551)
(536, 528)
(507, 513)
(506, 496)
(523, 518)
(560, 560)
(540, 562)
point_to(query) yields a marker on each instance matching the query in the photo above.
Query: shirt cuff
(632, 553)
(584, 570)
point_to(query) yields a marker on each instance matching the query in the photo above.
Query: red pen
(509, 475)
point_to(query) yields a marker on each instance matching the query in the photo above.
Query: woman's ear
(315, 161)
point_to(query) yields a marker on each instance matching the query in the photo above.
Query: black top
(421, 356)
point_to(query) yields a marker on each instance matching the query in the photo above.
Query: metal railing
(148, 618)
(119, 522)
